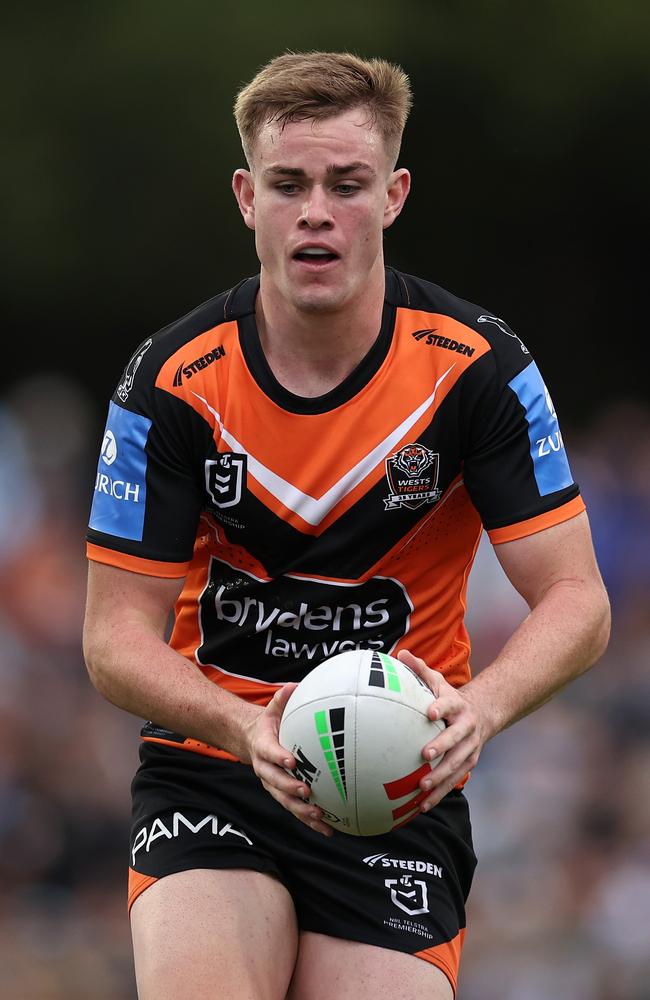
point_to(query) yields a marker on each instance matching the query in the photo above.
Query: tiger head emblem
(412, 474)
(412, 460)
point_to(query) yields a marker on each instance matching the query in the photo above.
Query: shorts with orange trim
(405, 890)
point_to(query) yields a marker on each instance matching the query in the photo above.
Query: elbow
(94, 658)
(602, 623)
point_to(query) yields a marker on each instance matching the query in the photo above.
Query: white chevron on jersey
(312, 509)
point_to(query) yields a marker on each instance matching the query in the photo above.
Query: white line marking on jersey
(311, 509)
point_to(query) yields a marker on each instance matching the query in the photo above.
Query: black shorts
(405, 890)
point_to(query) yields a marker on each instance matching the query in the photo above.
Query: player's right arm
(132, 666)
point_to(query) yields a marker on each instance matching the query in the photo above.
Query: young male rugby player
(304, 464)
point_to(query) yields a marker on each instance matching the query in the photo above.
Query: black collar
(241, 306)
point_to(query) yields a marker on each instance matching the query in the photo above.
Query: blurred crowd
(561, 802)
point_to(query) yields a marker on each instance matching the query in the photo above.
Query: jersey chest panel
(308, 517)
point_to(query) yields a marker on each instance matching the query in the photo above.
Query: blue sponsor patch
(550, 463)
(120, 494)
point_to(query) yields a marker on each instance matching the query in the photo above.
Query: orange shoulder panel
(192, 369)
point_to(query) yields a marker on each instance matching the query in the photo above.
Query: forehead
(344, 138)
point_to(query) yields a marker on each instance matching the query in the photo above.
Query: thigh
(348, 970)
(403, 892)
(211, 934)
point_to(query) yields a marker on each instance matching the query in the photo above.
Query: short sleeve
(147, 494)
(516, 468)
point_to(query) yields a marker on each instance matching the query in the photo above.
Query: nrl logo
(409, 894)
(412, 474)
(224, 478)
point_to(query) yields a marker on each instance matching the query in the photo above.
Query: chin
(318, 306)
(322, 300)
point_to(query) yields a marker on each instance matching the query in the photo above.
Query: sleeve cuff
(534, 524)
(136, 564)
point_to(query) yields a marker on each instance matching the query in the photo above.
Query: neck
(311, 353)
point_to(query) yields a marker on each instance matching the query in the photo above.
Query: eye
(287, 187)
(347, 189)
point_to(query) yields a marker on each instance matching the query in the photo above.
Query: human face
(318, 196)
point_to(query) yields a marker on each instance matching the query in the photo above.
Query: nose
(315, 210)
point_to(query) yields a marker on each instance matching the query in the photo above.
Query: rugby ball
(357, 725)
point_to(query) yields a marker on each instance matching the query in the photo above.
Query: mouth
(315, 258)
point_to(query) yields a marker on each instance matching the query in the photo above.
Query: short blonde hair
(299, 86)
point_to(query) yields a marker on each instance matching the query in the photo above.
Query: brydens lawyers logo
(412, 474)
(289, 624)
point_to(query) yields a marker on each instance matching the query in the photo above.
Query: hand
(270, 761)
(462, 740)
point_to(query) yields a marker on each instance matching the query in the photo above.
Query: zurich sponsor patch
(120, 486)
(550, 463)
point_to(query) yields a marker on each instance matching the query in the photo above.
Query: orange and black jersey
(307, 526)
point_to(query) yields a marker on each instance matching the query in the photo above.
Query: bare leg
(329, 967)
(214, 934)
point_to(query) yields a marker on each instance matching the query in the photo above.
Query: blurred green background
(528, 145)
(529, 153)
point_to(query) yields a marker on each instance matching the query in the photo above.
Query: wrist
(489, 723)
(237, 727)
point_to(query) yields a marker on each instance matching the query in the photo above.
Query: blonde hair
(299, 86)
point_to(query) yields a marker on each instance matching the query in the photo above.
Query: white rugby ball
(357, 725)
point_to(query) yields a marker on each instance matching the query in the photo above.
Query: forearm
(132, 667)
(564, 634)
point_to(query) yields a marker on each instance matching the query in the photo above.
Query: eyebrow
(332, 170)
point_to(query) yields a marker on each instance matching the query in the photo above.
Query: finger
(448, 705)
(438, 794)
(443, 785)
(449, 738)
(270, 747)
(414, 663)
(307, 813)
(409, 659)
(453, 767)
(276, 777)
(432, 678)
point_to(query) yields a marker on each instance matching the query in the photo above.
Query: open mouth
(315, 256)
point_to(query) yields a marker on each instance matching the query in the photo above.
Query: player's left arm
(567, 630)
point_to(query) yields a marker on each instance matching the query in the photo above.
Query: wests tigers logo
(412, 459)
(412, 474)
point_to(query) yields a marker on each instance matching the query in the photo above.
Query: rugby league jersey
(304, 527)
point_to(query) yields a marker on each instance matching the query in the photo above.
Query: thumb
(278, 702)
(275, 708)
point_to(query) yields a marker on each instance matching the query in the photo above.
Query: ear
(399, 185)
(244, 189)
